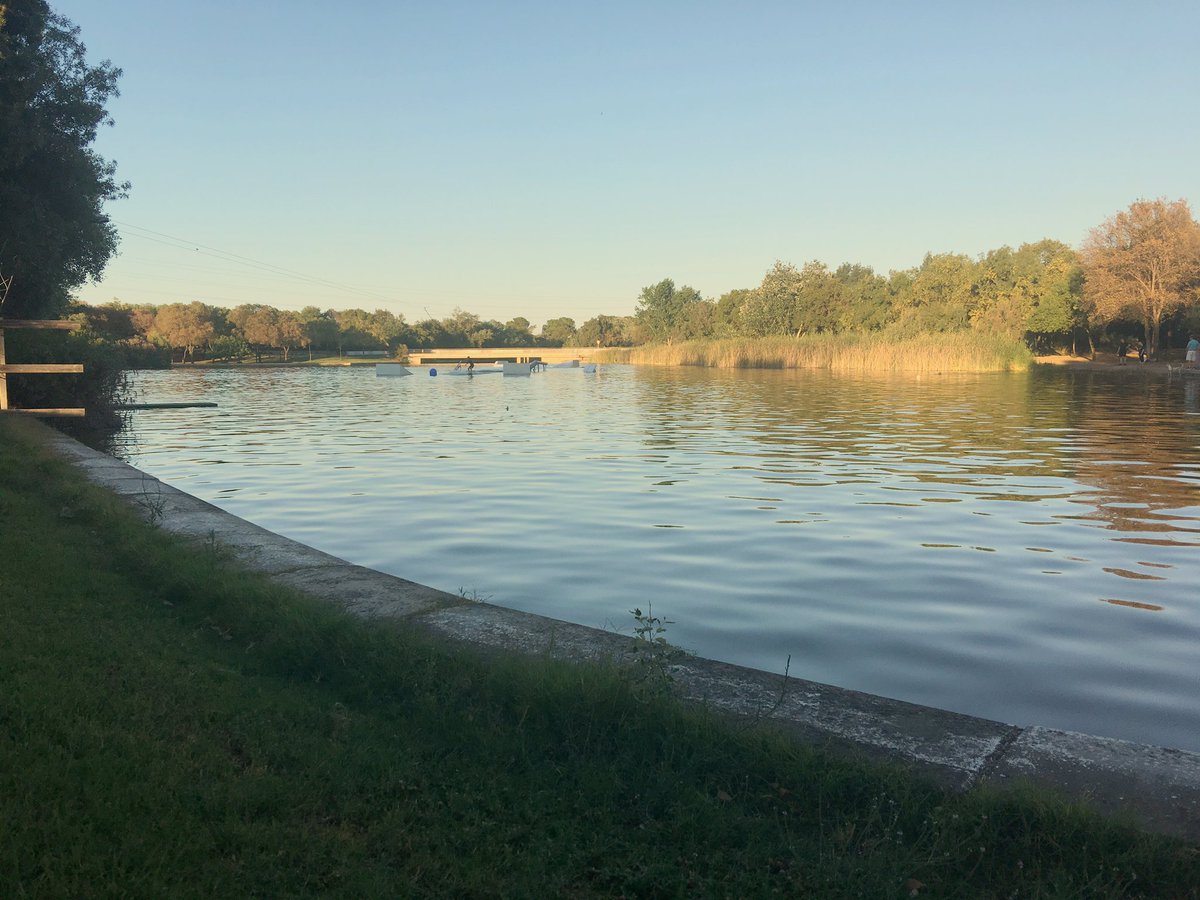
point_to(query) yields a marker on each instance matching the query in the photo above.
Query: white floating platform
(390, 369)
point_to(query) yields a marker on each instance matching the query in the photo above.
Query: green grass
(967, 351)
(173, 726)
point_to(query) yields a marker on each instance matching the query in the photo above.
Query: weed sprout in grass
(653, 654)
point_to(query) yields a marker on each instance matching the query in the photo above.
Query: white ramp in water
(389, 369)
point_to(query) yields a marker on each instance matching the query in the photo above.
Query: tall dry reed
(959, 352)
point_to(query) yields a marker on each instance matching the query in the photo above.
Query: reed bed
(925, 354)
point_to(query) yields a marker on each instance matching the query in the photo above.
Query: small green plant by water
(653, 654)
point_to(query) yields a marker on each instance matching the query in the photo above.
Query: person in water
(470, 364)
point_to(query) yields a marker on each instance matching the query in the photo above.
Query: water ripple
(888, 535)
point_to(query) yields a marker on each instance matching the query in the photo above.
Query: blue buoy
(433, 371)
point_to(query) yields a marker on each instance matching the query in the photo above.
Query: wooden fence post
(3, 375)
(35, 368)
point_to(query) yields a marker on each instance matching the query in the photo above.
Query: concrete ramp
(390, 370)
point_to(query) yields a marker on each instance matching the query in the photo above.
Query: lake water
(1024, 547)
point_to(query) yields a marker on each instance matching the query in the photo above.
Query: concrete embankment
(1157, 787)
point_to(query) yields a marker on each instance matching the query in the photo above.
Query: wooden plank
(198, 404)
(60, 324)
(42, 368)
(45, 412)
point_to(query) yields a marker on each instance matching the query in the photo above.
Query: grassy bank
(959, 352)
(173, 726)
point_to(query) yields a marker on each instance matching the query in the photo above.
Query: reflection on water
(1021, 547)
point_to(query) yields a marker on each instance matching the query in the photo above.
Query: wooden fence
(7, 368)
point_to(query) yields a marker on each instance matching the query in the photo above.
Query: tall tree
(291, 332)
(354, 330)
(141, 317)
(729, 311)
(459, 327)
(820, 302)
(559, 332)
(185, 326)
(602, 331)
(386, 327)
(320, 329)
(240, 315)
(940, 296)
(769, 308)
(663, 309)
(1143, 263)
(482, 336)
(428, 333)
(697, 321)
(54, 234)
(518, 332)
(865, 305)
(1032, 292)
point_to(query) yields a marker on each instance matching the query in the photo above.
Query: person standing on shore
(1122, 349)
(1193, 350)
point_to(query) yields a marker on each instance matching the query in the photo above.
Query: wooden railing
(7, 368)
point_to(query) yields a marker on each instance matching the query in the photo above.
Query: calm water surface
(1022, 547)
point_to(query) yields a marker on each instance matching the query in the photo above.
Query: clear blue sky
(552, 158)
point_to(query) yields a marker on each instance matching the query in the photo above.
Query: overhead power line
(546, 305)
(184, 244)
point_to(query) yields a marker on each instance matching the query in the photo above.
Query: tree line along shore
(1135, 276)
(1135, 279)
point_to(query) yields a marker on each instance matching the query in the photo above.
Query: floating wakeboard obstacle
(390, 370)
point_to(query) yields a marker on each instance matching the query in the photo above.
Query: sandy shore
(1173, 358)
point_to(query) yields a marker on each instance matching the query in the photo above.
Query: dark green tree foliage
(728, 311)
(517, 332)
(940, 297)
(320, 330)
(460, 325)
(354, 330)
(428, 333)
(1032, 292)
(54, 234)
(865, 301)
(605, 331)
(559, 332)
(666, 313)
